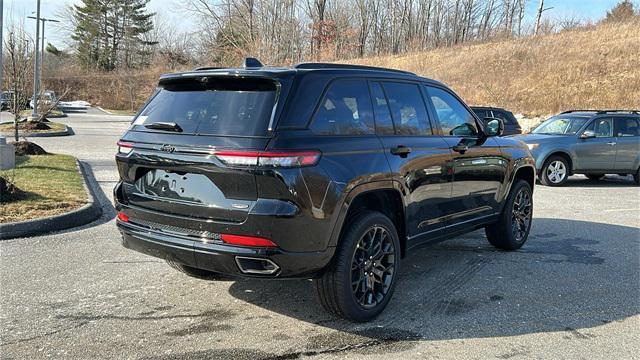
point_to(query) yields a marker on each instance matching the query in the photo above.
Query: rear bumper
(220, 257)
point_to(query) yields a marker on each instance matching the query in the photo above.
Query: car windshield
(560, 125)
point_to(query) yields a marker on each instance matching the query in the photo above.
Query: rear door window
(408, 109)
(384, 123)
(217, 106)
(345, 110)
(626, 127)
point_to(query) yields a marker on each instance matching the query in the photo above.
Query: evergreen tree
(110, 33)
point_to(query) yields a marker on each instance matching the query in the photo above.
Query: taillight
(123, 217)
(124, 147)
(269, 158)
(247, 240)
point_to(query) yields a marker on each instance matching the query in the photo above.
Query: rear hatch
(166, 158)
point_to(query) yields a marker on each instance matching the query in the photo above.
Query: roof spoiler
(251, 62)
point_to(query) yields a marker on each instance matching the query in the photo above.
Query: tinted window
(454, 118)
(627, 127)
(345, 110)
(218, 106)
(602, 127)
(481, 113)
(407, 109)
(384, 124)
(507, 118)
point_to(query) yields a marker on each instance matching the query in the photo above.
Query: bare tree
(539, 16)
(19, 51)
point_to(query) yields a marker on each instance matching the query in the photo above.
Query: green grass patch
(53, 185)
(54, 127)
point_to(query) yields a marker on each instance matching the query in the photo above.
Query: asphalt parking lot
(572, 292)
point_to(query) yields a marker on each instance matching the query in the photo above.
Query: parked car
(587, 142)
(324, 171)
(47, 98)
(5, 100)
(511, 125)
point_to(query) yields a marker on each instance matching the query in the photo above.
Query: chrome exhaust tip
(259, 266)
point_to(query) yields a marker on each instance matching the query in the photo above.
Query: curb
(67, 131)
(89, 212)
(104, 111)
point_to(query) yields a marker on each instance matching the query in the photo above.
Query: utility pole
(1, 43)
(44, 20)
(36, 69)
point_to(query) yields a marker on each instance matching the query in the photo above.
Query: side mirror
(493, 126)
(588, 134)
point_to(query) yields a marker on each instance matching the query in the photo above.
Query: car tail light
(269, 158)
(123, 217)
(247, 240)
(124, 147)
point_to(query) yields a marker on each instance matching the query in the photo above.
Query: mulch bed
(28, 148)
(9, 192)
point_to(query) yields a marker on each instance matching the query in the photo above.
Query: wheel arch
(383, 197)
(560, 153)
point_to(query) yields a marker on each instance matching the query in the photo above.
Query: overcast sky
(171, 10)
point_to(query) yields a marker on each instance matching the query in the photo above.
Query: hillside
(593, 68)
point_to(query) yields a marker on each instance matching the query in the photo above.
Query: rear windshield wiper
(167, 126)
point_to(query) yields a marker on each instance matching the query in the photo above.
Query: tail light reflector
(269, 158)
(247, 240)
(123, 217)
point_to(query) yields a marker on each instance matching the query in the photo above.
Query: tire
(347, 291)
(502, 234)
(197, 273)
(636, 177)
(555, 171)
(595, 177)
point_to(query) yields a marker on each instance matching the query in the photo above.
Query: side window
(627, 127)
(384, 124)
(453, 116)
(481, 113)
(345, 110)
(602, 127)
(408, 111)
(506, 118)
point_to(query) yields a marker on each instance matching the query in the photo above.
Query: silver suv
(587, 142)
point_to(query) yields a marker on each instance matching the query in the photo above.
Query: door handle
(611, 143)
(401, 150)
(461, 148)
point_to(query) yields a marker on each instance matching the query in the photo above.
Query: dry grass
(9, 128)
(53, 185)
(594, 68)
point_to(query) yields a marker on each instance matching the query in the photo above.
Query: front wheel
(555, 171)
(512, 229)
(360, 280)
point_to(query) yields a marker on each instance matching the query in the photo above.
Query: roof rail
(618, 111)
(602, 111)
(208, 68)
(311, 65)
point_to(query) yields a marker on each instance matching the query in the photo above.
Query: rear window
(215, 106)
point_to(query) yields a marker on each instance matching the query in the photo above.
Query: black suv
(511, 125)
(324, 171)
